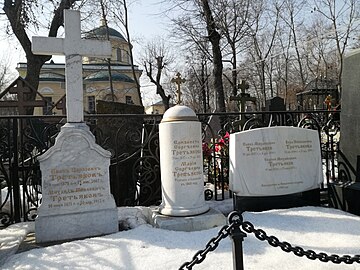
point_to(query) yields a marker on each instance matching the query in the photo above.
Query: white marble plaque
(76, 198)
(274, 161)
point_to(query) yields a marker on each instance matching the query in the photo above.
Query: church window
(47, 109)
(46, 90)
(126, 57)
(110, 97)
(128, 100)
(119, 55)
(91, 104)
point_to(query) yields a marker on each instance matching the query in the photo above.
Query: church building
(96, 81)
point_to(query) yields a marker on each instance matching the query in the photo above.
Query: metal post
(237, 237)
(357, 177)
(14, 168)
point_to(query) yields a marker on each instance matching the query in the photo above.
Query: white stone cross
(73, 47)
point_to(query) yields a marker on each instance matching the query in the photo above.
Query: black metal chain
(298, 251)
(235, 220)
(199, 257)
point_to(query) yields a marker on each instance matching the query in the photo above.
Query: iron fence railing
(134, 144)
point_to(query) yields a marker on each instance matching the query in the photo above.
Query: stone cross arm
(243, 97)
(243, 85)
(72, 44)
(59, 46)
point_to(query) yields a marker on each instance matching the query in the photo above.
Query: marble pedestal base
(208, 220)
(76, 225)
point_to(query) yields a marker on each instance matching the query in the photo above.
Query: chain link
(213, 243)
(298, 251)
(235, 220)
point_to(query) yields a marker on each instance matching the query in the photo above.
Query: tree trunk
(126, 24)
(157, 81)
(234, 71)
(203, 89)
(214, 38)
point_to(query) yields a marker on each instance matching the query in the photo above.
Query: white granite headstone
(76, 198)
(274, 161)
(181, 163)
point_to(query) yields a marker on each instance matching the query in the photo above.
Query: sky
(146, 248)
(145, 20)
(146, 23)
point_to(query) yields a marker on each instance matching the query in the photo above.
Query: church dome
(100, 32)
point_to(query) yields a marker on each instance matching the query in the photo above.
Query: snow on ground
(147, 248)
(11, 237)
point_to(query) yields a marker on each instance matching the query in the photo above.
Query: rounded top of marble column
(179, 113)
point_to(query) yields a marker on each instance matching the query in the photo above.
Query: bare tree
(320, 55)
(199, 26)
(157, 57)
(120, 13)
(233, 17)
(263, 34)
(197, 79)
(214, 38)
(343, 17)
(104, 12)
(6, 76)
(291, 16)
(285, 47)
(21, 16)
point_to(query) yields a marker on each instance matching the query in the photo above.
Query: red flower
(206, 149)
(222, 143)
(218, 147)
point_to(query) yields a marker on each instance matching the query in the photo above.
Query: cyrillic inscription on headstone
(275, 161)
(71, 187)
(187, 168)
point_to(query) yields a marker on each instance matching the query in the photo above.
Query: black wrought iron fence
(134, 166)
(134, 145)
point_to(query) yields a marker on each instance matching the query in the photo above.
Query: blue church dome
(101, 32)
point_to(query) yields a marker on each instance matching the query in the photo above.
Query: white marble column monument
(76, 198)
(181, 163)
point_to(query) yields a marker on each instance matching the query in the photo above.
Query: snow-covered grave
(145, 247)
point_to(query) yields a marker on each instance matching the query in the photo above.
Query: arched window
(46, 90)
(109, 97)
